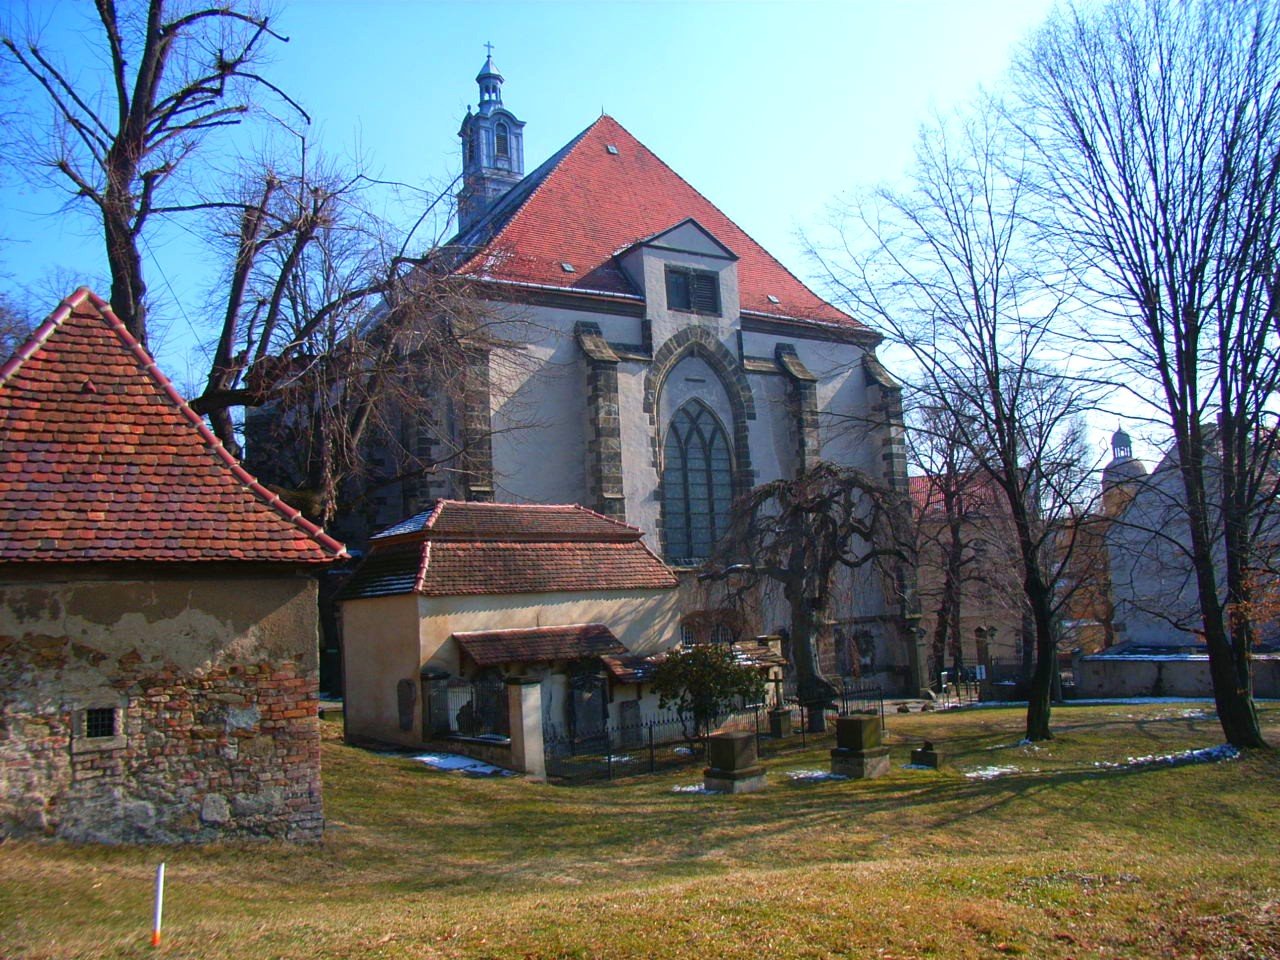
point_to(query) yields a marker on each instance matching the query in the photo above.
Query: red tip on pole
(155, 938)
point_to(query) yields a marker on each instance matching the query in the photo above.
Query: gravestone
(780, 723)
(859, 753)
(926, 756)
(734, 766)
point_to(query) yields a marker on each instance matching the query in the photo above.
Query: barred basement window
(100, 722)
(697, 291)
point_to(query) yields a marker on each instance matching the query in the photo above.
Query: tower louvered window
(697, 484)
(502, 145)
(697, 291)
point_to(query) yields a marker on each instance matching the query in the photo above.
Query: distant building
(157, 608)
(1158, 646)
(978, 620)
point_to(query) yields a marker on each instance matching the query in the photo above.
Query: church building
(665, 364)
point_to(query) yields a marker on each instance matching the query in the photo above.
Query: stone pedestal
(859, 754)
(926, 756)
(779, 723)
(734, 764)
(524, 713)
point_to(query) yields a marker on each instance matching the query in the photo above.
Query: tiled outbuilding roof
(534, 522)
(465, 549)
(539, 644)
(102, 461)
(599, 195)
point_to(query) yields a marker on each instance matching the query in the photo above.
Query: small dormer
(686, 275)
(492, 148)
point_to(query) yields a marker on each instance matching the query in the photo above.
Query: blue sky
(773, 110)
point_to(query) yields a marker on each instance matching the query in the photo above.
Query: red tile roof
(976, 493)
(539, 644)
(533, 522)
(102, 461)
(489, 548)
(587, 204)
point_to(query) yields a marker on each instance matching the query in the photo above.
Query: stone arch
(702, 343)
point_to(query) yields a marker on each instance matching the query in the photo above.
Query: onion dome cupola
(492, 148)
(1118, 475)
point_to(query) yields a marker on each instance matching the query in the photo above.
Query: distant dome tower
(492, 148)
(1119, 476)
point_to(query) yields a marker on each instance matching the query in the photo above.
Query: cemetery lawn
(1064, 850)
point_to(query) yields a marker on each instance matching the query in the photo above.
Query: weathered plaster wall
(379, 648)
(215, 683)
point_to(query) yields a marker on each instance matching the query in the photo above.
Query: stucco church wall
(639, 475)
(538, 405)
(214, 683)
(773, 433)
(380, 647)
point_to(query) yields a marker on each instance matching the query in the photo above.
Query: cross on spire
(489, 49)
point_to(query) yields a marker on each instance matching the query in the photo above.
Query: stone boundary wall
(1135, 676)
(228, 753)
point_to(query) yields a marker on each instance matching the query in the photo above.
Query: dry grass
(1059, 858)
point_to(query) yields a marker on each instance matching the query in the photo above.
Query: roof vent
(773, 299)
(612, 148)
(568, 268)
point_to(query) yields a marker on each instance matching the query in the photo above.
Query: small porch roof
(488, 648)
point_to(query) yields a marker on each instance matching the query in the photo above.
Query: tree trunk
(128, 290)
(1040, 694)
(1228, 667)
(813, 689)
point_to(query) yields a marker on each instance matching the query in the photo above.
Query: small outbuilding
(465, 598)
(158, 617)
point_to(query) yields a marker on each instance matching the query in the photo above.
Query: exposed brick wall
(227, 749)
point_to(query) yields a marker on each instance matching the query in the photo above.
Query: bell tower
(492, 148)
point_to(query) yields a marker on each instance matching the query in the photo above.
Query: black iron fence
(668, 741)
(465, 708)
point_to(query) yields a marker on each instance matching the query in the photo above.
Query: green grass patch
(1065, 850)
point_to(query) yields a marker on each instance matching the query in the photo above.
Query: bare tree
(177, 72)
(800, 534)
(1154, 129)
(14, 326)
(948, 268)
(962, 535)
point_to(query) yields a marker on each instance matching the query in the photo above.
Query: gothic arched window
(502, 140)
(697, 483)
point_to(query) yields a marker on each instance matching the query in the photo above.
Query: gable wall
(215, 680)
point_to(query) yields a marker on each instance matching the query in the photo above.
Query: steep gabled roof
(102, 461)
(588, 202)
(468, 549)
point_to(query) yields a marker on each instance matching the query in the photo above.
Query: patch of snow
(814, 776)
(693, 788)
(1203, 755)
(468, 765)
(683, 751)
(621, 758)
(916, 766)
(990, 773)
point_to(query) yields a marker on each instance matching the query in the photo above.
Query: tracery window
(697, 484)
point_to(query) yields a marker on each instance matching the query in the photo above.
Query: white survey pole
(155, 929)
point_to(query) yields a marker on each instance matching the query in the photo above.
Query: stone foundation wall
(211, 736)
